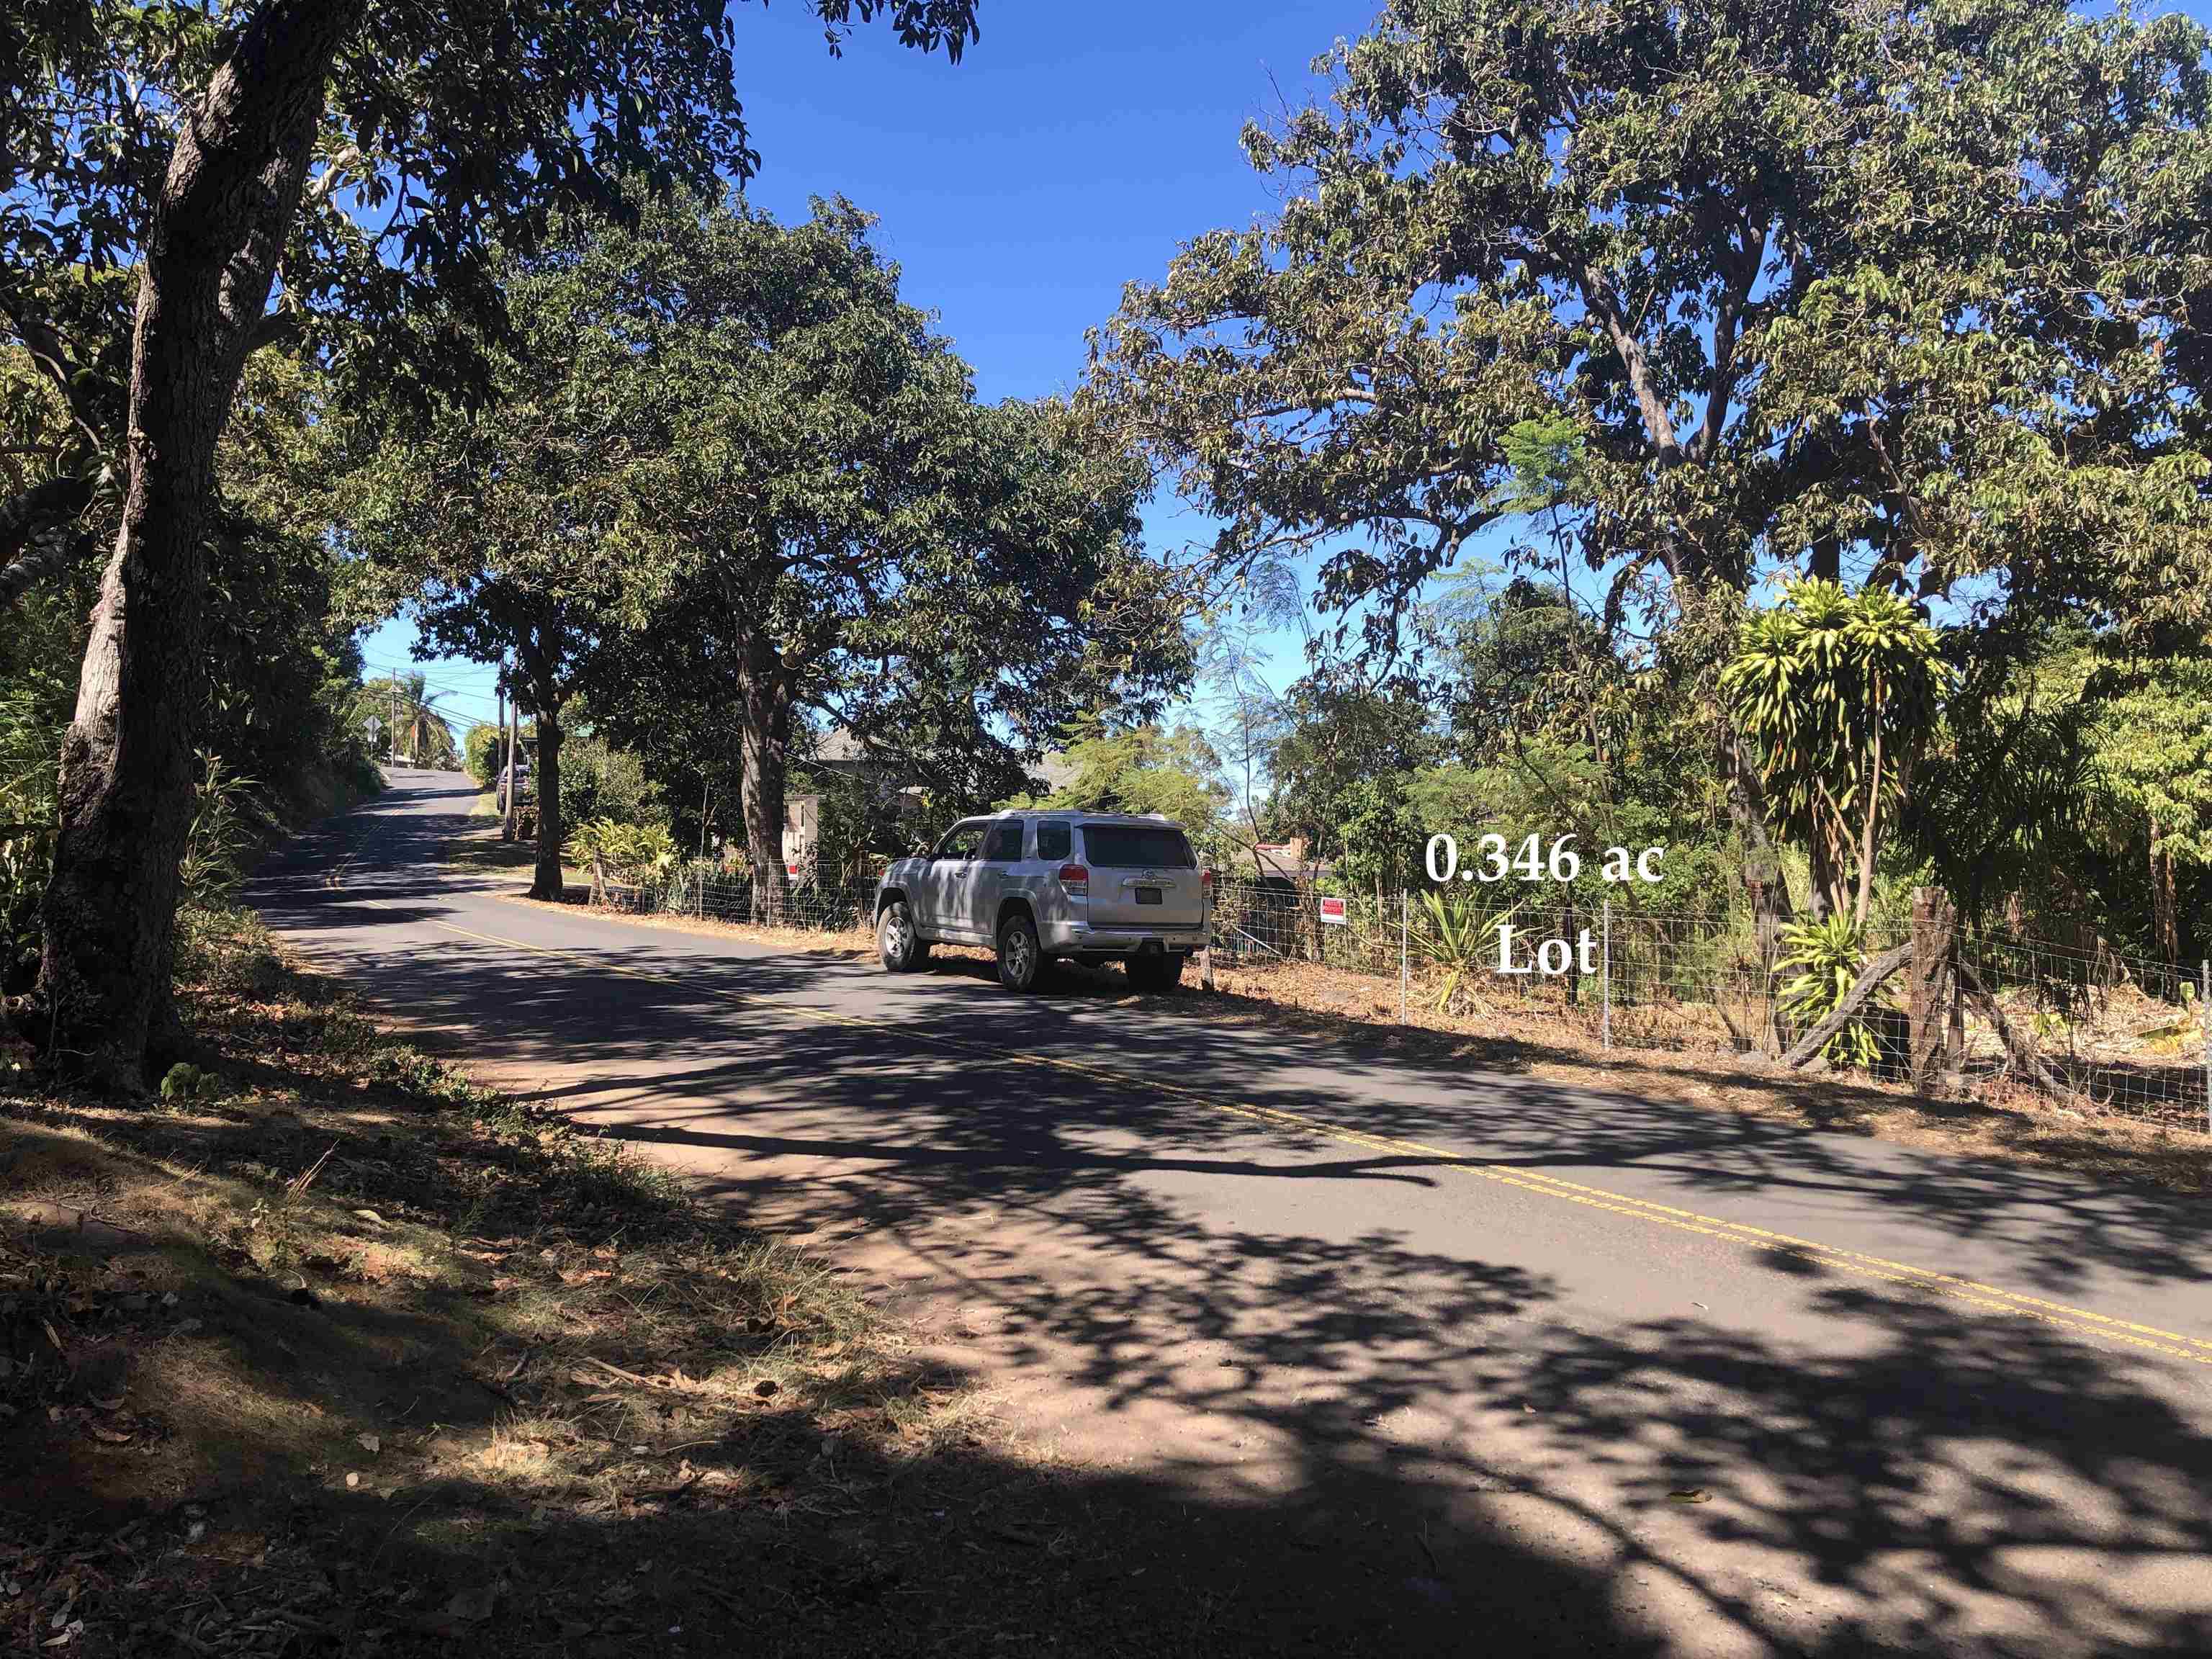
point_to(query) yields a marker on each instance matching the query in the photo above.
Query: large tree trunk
(2165, 912)
(231, 193)
(1747, 803)
(764, 735)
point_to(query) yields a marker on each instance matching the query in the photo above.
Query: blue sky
(1071, 150)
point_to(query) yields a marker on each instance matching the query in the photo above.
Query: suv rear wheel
(1160, 973)
(1020, 958)
(902, 949)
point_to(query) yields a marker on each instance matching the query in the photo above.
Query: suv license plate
(1148, 896)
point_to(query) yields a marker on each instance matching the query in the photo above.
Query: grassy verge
(331, 1351)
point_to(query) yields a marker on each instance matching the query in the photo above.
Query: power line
(465, 694)
(396, 671)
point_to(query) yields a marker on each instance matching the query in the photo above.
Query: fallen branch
(642, 1382)
(1853, 1000)
(2022, 1052)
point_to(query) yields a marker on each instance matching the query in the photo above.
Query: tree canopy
(744, 483)
(1901, 294)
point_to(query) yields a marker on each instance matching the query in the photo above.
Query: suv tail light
(1076, 879)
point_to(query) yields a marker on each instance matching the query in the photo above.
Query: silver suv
(1039, 885)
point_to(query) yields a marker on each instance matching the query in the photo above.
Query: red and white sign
(1332, 911)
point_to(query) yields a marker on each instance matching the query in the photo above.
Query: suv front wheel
(902, 948)
(1020, 958)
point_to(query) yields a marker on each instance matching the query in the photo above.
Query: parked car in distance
(1038, 886)
(521, 784)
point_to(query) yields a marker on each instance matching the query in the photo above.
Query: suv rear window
(1054, 840)
(1137, 846)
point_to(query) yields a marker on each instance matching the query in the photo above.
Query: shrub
(1458, 933)
(632, 854)
(185, 1082)
(1824, 960)
(221, 835)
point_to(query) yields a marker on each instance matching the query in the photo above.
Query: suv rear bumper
(1080, 939)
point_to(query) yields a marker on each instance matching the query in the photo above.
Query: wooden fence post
(1927, 1010)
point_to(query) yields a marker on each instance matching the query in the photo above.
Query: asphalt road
(1699, 1385)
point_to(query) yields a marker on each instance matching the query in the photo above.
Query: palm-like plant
(634, 855)
(1836, 692)
(405, 703)
(215, 848)
(1824, 959)
(1458, 933)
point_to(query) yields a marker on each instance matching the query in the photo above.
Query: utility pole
(514, 728)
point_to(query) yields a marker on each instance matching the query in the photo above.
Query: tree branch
(52, 358)
(1853, 1000)
(1727, 331)
(2022, 1053)
(1598, 294)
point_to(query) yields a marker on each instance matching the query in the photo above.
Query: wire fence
(2085, 1025)
(801, 904)
(1613, 975)
(2118, 1032)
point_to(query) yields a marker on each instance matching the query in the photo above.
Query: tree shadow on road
(1423, 1445)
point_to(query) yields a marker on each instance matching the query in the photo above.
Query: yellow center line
(2150, 1338)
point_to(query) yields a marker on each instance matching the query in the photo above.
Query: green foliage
(859, 819)
(1723, 283)
(634, 855)
(184, 1083)
(1547, 463)
(1457, 935)
(483, 751)
(1377, 824)
(477, 146)
(729, 476)
(598, 781)
(1836, 693)
(1341, 771)
(30, 742)
(1821, 962)
(1144, 769)
(2149, 751)
(227, 820)
(409, 723)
